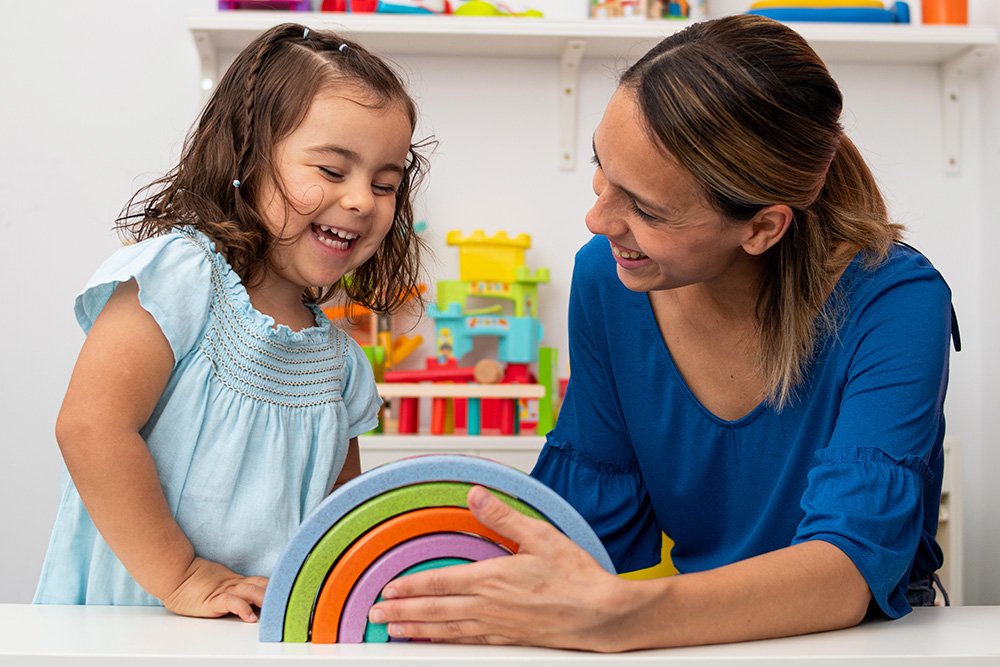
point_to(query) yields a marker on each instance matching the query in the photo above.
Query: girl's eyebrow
(352, 156)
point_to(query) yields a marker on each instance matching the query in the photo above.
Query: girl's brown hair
(747, 107)
(263, 97)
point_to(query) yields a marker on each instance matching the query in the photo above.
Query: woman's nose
(604, 216)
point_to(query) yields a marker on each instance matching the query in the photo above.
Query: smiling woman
(213, 404)
(759, 372)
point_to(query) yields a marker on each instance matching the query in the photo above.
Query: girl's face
(341, 169)
(663, 234)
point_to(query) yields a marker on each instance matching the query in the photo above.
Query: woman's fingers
(530, 534)
(548, 594)
(456, 580)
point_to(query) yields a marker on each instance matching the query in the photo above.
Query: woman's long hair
(746, 106)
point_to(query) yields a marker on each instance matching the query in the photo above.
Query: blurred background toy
(434, 7)
(839, 11)
(280, 5)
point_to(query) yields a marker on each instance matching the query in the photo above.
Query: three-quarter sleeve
(876, 486)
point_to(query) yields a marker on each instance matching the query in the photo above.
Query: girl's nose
(358, 197)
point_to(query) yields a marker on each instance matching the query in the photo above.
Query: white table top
(55, 635)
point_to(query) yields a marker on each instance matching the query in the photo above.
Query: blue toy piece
(518, 337)
(417, 470)
(900, 13)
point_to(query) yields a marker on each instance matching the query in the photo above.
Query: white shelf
(220, 36)
(519, 451)
(228, 32)
(454, 443)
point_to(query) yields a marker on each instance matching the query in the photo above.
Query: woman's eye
(639, 212)
(594, 161)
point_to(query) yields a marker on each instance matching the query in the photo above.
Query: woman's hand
(551, 593)
(210, 590)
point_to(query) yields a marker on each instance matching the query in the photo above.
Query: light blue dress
(251, 431)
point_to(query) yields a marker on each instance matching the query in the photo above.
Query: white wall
(96, 98)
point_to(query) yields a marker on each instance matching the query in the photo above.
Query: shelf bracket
(569, 81)
(952, 75)
(209, 62)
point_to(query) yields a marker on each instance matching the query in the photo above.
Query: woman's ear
(767, 228)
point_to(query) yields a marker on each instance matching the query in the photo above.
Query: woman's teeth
(626, 254)
(338, 238)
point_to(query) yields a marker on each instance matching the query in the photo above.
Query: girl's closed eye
(331, 173)
(385, 188)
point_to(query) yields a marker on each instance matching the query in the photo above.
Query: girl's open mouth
(337, 239)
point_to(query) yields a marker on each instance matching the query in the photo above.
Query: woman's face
(662, 232)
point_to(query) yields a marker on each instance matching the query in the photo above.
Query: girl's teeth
(347, 236)
(339, 245)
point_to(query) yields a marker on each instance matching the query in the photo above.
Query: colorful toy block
(517, 337)
(846, 11)
(489, 258)
(435, 548)
(280, 5)
(522, 292)
(324, 580)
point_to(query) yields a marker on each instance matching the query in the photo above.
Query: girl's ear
(767, 228)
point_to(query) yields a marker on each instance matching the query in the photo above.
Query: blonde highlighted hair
(748, 108)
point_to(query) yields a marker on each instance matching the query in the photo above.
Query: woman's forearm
(809, 587)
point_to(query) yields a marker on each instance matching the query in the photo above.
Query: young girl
(213, 405)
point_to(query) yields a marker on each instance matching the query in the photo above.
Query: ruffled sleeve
(867, 503)
(175, 287)
(875, 490)
(360, 394)
(610, 496)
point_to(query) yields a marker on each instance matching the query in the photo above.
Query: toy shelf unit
(952, 48)
(517, 390)
(520, 452)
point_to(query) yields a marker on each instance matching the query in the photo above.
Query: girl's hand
(551, 593)
(210, 590)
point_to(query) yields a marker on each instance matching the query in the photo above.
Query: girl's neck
(284, 306)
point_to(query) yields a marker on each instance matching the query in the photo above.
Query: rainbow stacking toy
(399, 518)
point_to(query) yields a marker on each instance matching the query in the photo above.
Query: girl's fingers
(234, 604)
(251, 591)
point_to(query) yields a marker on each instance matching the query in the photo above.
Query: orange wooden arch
(378, 540)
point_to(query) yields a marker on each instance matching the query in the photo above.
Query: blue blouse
(249, 435)
(856, 461)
